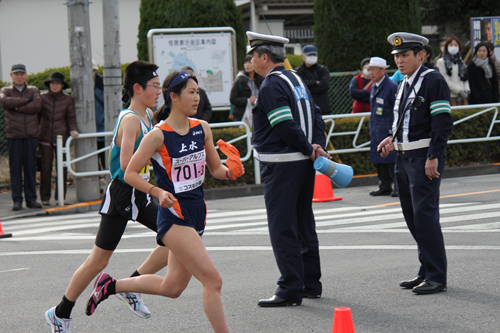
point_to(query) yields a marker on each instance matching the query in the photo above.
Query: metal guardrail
(68, 163)
(365, 146)
(330, 126)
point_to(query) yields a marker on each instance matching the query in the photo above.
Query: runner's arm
(151, 143)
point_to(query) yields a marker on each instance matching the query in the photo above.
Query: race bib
(188, 172)
(144, 173)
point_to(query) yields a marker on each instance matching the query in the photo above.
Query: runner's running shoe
(58, 325)
(135, 304)
(99, 293)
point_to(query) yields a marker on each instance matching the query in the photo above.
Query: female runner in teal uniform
(121, 202)
(181, 217)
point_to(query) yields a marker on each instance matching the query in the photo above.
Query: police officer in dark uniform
(288, 135)
(422, 124)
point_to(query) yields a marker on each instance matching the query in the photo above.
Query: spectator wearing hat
(57, 118)
(288, 135)
(420, 130)
(316, 77)
(382, 97)
(99, 112)
(21, 104)
(359, 89)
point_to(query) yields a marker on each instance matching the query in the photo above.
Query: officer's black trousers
(420, 203)
(288, 193)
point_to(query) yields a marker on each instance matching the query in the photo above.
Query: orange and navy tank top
(180, 163)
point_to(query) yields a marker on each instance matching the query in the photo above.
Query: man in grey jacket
(22, 104)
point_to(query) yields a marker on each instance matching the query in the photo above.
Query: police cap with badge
(255, 40)
(404, 41)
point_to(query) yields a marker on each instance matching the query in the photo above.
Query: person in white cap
(288, 135)
(382, 97)
(422, 124)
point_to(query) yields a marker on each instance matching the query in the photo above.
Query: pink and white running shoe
(99, 293)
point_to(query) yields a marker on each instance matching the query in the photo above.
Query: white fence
(330, 126)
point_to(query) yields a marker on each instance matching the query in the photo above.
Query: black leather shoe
(409, 284)
(276, 301)
(17, 206)
(310, 295)
(380, 192)
(429, 287)
(33, 204)
(394, 194)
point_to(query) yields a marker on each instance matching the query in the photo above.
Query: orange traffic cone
(2, 235)
(323, 189)
(342, 321)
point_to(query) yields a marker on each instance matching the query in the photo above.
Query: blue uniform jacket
(284, 134)
(431, 118)
(381, 106)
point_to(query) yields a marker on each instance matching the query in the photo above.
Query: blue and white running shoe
(58, 325)
(135, 304)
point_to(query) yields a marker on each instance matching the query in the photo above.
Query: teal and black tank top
(114, 158)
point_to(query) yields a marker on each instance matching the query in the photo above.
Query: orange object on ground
(233, 158)
(323, 189)
(342, 321)
(2, 235)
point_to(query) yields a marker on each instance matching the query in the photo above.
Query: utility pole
(112, 68)
(87, 188)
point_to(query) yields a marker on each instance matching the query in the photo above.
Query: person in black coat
(483, 79)
(316, 77)
(245, 89)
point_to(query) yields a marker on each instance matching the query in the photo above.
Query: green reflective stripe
(280, 114)
(442, 106)
(438, 111)
(438, 104)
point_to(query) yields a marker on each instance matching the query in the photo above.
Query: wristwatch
(431, 156)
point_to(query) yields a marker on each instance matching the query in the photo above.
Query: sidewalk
(72, 206)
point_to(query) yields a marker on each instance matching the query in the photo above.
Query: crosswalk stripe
(254, 222)
(257, 248)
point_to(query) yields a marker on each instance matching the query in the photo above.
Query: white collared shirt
(379, 82)
(410, 79)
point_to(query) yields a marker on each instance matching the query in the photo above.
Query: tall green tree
(189, 14)
(345, 32)
(458, 11)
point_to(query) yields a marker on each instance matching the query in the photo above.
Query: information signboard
(210, 52)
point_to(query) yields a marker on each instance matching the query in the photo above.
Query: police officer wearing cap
(288, 135)
(422, 124)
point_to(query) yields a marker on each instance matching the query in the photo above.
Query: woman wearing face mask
(454, 71)
(483, 78)
(359, 89)
(316, 77)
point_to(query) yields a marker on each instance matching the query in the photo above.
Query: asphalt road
(365, 251)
